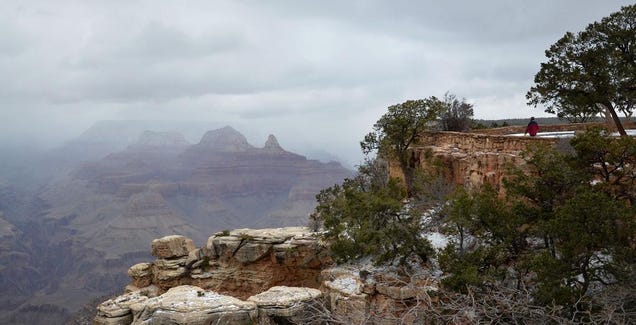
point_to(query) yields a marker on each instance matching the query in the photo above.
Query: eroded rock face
(265, 276)
(189, 285)
(470, 159)
(172, 246)
(241, 263)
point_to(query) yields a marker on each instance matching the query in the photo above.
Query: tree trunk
(617, 120)
(408, 177)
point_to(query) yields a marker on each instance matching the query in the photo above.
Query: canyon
(74, 240)
(71, 239)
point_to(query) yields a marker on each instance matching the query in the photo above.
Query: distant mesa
(162, 139)
(226, 139)
(229, 140)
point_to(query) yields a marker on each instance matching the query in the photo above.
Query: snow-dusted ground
(565, 134)
(348, 285)
(438, 240)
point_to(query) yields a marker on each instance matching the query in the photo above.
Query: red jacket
(533, 128)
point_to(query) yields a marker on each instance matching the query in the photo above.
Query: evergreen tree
(591, 72)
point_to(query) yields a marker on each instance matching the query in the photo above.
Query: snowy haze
(317, 74)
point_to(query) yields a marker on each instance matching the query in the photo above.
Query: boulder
(346, 299)
(287, 305)
(172, 246)
(117, 310)
(141, 274)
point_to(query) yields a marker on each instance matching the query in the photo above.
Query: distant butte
(226, 139)
(271, 145)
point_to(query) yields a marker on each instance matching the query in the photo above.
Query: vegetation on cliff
(366, 216)
(399, 128)
(591, 72)
(564, 231)
(561, 231)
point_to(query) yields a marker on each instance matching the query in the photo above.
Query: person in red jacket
(532, 128)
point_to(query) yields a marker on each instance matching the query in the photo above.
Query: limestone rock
(241, 263)
(172, 246)
(169, 274)
(149, 291)
(170, 264)
(287, 305)
(141, 274)
(208, 250)
(251, 252)
(193, 257)
(284, 297)
(192, 305)
(470, 159)
(117, 310)
(272, 235)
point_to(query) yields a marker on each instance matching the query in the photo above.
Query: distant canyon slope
(75, 237)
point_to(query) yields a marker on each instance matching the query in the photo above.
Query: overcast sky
(314, 73)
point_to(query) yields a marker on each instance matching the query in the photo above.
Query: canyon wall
(469, 159)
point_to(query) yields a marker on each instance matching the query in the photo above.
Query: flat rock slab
(193, 305)
(293, 304)
(283, 297)
(272, 235)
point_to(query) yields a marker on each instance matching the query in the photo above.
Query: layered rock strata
(225, 281)
(470, 159)
(266, 276)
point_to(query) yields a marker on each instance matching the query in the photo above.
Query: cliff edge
(261, 276)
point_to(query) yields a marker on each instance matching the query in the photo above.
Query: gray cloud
(316, 73)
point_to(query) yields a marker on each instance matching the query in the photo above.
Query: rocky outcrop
(192, 305)
(241, 262)
(358, 295)
(265, 276)
(470, 159)
(269, 275)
